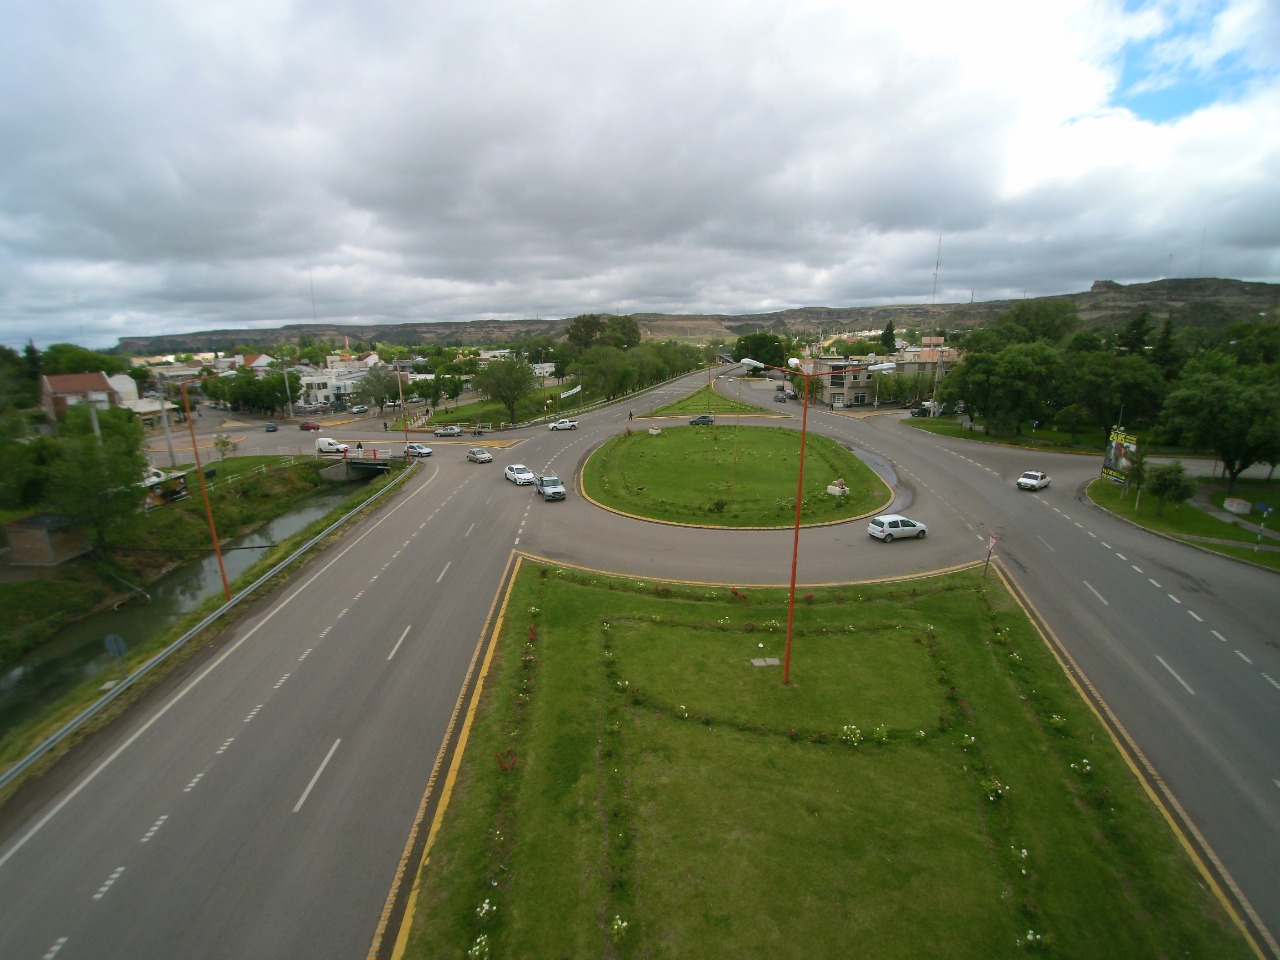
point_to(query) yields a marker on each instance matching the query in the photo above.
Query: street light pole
(795, 367)
(204, 490)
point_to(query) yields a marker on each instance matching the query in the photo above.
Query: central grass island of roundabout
(730, 476)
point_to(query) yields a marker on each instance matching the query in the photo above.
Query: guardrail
(89, 712)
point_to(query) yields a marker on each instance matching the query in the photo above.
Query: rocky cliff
(1198, 302)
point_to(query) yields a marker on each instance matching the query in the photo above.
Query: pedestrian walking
(384, 426)
(359, 446)
(628, 414)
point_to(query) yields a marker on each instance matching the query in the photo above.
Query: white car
(360, 408)
(452, 430)
(478, 455)
(416, 450)
(893, 526)
(1033, 480)
(563, 425)
(519, 474)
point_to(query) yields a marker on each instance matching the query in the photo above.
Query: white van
(329, 445)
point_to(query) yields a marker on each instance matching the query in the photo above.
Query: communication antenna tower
(937, 264)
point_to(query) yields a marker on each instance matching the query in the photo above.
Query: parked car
(416, 450)
(359, 408)
(702, 420)
(564, 425)
(479, 455)
(549, 486)
(329, 445)
(1033, 480)
(271, 426)
(779, 398)
(519, 474)
(893, 526)
(452, 430)
(308, 425)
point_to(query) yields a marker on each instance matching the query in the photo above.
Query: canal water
(79, 651)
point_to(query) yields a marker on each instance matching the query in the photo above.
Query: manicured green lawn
(704, 400)
(930, 784)
(1186, 521)
(729, 476)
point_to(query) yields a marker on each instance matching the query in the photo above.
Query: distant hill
(1209, 303)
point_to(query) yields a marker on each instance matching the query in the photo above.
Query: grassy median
(929, 784)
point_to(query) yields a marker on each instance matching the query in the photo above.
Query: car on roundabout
(563, 425)
(549, 486)
(360, 408)
(479, 455)
(894, 526)
(702, 420)
(452, 430)
(519, 474)
(416, 450)
(308, 425)
(1033, 480)
(271, 426)
(779, 398)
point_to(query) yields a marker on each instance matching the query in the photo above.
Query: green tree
(1218, 407)
(507, 381)
(605, 371)
(1170, 484)
(26, 459)
(452, 386)
(1167, 354)
(584, 330)
(379, 387)
(19, 383)
(97, 481)
(1073, 416)
(766, 347)
(621, 332)
(70, 358)
(1049, 320)
(888, 338)
(1133, 338)
(1025, 376)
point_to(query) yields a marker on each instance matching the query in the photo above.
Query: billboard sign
(1121, 448)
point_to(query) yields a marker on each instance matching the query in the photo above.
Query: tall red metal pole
(795, 543)
(204, 490)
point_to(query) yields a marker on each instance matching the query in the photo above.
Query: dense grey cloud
(166, 167)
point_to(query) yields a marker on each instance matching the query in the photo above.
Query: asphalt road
(259, 806)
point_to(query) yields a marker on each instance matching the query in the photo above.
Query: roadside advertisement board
(1119, 456)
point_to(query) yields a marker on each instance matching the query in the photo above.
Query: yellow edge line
(492, 627)
(1164, 801)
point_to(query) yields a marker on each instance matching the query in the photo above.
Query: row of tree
(1211, 393)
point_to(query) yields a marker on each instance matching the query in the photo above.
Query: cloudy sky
(170, 166)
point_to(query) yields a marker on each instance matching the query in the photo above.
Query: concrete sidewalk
(1270, 539)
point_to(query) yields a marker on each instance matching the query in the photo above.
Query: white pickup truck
(564, 425)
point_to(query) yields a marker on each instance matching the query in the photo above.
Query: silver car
(549, 486)
(893, 526)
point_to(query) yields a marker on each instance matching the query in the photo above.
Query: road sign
(115, 645)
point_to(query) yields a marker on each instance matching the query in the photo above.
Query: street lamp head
(753, 364)
(880, 367)
(793, 363)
